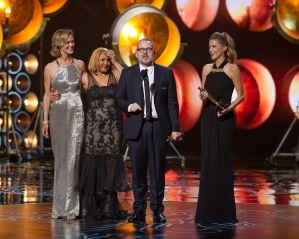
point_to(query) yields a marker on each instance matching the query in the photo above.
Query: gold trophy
(180, 138)
(218, 104)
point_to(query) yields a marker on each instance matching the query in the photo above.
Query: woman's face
(68, 47)
(216, 49)
(104, 63)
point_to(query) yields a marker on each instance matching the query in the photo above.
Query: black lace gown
(216, 202)
(103, 171)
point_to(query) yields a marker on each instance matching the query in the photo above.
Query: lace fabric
(103, 171)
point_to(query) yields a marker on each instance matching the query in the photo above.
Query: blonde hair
(94, 60)
(59, 38)
(226, 40)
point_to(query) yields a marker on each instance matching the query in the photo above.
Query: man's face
(145, 53)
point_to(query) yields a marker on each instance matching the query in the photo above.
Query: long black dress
(103, 171)
(216, 202)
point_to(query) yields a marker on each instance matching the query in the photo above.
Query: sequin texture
(67, 131)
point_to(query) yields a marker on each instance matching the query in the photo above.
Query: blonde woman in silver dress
(64, 122)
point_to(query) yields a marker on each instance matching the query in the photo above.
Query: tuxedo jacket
(129, 91)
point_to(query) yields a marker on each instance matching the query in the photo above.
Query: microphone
(143, 73)
(152, 87)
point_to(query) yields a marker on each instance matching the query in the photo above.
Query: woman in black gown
(216, 202)
(103, 169)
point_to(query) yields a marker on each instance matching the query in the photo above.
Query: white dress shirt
(150, 73)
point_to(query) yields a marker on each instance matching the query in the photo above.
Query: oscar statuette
(218, 104)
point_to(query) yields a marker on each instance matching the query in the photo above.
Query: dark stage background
(90, 19)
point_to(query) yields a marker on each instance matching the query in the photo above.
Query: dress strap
(111, 79)
(73, 61)
(91, 77)
(220, 68)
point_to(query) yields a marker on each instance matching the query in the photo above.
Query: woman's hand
(111, 55)
(45, 131)
(203, 94)
(54, 95)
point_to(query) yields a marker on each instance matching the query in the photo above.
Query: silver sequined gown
(67, 132)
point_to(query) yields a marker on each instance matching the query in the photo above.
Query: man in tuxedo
(152, 114)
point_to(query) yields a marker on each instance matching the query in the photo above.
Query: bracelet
(46, 121)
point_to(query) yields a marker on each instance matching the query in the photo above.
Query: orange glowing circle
(260, 95)
(138, 22)
(31, 30)
(54, 7)
(187, 83)
(286, 20)
(197, 14)
(121, 5)
(254, 15)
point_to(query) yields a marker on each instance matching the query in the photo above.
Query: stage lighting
(13, 63)
(121, 5)
(14, 101)
(31, 102)
(22, 121)
(285, 18)
(22, 82)
(53, 7)
(3, 82)
(30, 64)
(3, 116)
(146, 21)
(23, 50)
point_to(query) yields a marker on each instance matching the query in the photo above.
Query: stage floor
(255, 221)
(267, 204)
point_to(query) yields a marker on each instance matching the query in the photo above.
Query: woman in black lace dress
(103, 169)
(216, 202)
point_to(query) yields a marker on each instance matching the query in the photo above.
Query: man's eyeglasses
(142, 50)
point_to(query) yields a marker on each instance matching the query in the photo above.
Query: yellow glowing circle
(31, 102)
(54, 7)
(121, 5)
(4, 82)
(30, 30)
(3, 116)
(30, 140)
(145, 21)
(286, 19)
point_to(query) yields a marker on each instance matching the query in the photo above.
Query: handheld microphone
(143, 73)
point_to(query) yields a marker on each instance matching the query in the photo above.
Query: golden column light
(146, 21)
(285, 18)
(30, 64)
(121, 5)
(31, 102)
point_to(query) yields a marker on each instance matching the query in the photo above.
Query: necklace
(220, 68)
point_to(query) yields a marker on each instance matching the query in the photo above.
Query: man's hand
(176, 135)
(135, 107)
(54, 95)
